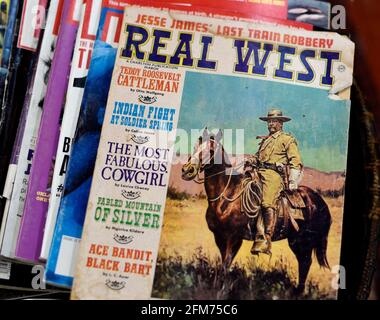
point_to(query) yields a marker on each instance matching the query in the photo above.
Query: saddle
(289, 206)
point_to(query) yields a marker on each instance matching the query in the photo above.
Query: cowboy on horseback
(277, 153)
(234, 199)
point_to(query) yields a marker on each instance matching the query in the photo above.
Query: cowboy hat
(275, 114)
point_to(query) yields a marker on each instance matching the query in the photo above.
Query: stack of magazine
(173, 149)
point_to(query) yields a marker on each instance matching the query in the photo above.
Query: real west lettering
(251, 56)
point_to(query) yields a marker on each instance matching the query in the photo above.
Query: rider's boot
(263, 242)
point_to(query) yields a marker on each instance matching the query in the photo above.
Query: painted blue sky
(319, 123)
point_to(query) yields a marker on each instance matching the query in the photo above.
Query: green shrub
(203, 279)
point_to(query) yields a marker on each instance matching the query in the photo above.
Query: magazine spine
(33, 220)
(15, 78)
(32, 20)
(78, 74)
(15, 204)
(62, 257)
(12, 168)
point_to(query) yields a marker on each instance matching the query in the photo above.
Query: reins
(222, 195)
(246, 199)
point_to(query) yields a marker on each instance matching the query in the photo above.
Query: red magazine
(239, 10)
(33, 13)
(268, 8)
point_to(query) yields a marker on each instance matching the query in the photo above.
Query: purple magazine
(37, 200)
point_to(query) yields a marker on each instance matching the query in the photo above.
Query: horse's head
(206, 152)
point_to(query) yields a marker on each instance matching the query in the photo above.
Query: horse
(231, 226)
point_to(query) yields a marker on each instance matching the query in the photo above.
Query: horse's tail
(324, 221)
(319, 222)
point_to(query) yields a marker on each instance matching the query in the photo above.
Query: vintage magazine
(67, 234)
(16, 200)
(257, 107)
(79, 68)
(36, 204)
(68, 230)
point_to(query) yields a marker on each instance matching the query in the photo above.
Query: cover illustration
(231, 137)
(70, 218)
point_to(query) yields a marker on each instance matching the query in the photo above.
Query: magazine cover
(15, 200)
(78, 74)
(36, 204)
(317, 13)
(61, 262)
(248, 132)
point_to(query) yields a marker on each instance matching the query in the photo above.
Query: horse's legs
(304, 263)
(303, 252)
(228, 249)
(221, 242)
(233, 246)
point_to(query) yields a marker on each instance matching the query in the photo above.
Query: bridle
(199, 180)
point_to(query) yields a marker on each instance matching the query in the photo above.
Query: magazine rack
(361, 225)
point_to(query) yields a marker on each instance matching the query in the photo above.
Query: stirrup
(260, 246)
